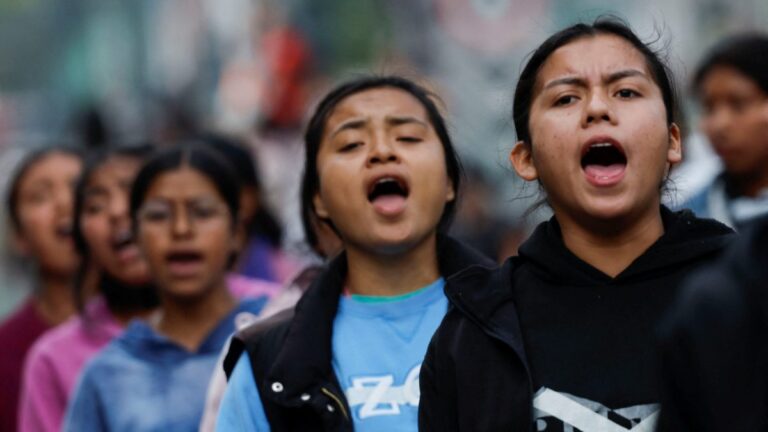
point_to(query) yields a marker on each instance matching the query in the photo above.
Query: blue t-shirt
(143, 382)
(378, 348)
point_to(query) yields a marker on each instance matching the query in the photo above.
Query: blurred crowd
(95, 272)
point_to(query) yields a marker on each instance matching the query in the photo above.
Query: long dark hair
(747, 53)
(310, 183)
(264, 223)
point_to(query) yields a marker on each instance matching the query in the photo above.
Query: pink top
(54, 363)
(245, 287)
(53, 366)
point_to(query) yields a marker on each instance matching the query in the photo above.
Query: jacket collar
(304, 362)
(484, 296)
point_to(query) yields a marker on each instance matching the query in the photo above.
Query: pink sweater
(53, 364)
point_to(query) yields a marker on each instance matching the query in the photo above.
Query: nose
(715, 122)
(597, 109)
(64, 200)
(181, 225)
(118, 207)
(382, 151)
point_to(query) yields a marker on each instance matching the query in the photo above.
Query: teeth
(601, 145)
(386, 179)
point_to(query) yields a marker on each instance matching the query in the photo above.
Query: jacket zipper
(337, 400)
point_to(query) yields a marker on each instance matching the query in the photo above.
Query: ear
(319, 205)
(521, 158)
(240, 237)
(450, 192)
(675, 150)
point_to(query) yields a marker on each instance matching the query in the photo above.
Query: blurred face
(601, 145)
(185, 232)
(45, 213)
(106, 224)
(383, 180)
(736, 121)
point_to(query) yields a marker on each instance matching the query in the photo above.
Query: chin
(398, 242)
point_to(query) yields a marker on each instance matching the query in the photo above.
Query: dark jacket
(291, 353)
(476, 375)
(715, 344)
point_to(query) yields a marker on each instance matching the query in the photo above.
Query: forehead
(724, 78)
(592, 57)
(181, 183)
(377, 102)
(52, 166)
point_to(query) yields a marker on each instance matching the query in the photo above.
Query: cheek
(152, 246)
(96, 233)
(35, 218)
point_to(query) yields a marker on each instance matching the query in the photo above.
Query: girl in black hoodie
(561, 337)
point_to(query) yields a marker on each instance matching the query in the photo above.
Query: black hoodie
(715, 344)
(547, 319)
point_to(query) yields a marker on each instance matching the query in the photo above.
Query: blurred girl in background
(40, 208)
(103, 237)
(262, 256)
(732, 83)
(184, 207)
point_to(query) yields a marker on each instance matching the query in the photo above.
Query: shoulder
(21, 326)
(697, 202)
(244, 287)
(263, 338)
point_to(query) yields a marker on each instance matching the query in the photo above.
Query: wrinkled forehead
(592, 59)
(375, 103)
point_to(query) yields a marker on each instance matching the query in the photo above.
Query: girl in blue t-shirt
(184, 206)
(380, 169)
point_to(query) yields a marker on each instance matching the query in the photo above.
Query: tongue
(599, 171)
(389, 204)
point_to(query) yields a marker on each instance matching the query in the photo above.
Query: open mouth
(183, 258)
(603, 162)
(122, 241)
(64, 231)
(388, 195)
(184, 264)
(124, 246)
(387, 187)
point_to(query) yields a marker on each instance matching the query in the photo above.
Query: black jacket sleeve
(712, 351)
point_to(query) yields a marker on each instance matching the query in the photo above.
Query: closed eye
(409, 139)
(627, 94)
(349, 147)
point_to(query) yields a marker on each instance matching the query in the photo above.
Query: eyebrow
(398, 120)
(390, 120)
(349, 124)
(611, 78)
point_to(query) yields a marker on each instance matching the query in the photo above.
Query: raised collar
(304, 361)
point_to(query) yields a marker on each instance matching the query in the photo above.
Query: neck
(749, 186)
(187, 322)
(612, 245)
(392, 274)
(55, 300)
(127, 302)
